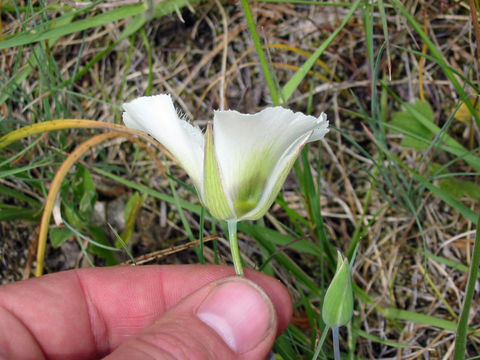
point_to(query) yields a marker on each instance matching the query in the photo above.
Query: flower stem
(232, 237)
(336, 345)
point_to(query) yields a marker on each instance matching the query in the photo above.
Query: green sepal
(214, 196)
(337, 307)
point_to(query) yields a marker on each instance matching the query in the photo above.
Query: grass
(397, 175)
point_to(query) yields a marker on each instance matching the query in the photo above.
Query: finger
(88, 312)
(232, 318)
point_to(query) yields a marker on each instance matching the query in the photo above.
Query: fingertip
(278, 294)
(231, 318)
(240, 312)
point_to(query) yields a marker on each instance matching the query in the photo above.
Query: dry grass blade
(59, 177)
(63, 124)
(155, 255)
(55, 188)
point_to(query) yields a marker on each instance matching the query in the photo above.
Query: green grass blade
(32, 61)
(440, 59)
(461, 153)
(410, 316)
(383, 17)
(454, 71)
(4, 190)
(379, 340)
(14, 171)
(261, 55)
(149, 191)
(282, 240)
(457, 205)
(296, 79)
(450, 263)
(29, 37)
(148, 48)
(284, 260)
(122, 243)
(462, 327)
(452, 144)
(12, 213)
(308, 2)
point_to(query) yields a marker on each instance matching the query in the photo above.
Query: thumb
(231, 318)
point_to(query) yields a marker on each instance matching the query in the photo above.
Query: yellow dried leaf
(463, 113)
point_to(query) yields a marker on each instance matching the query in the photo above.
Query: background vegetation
(397, 175)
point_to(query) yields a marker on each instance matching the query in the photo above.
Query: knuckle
(176, 341)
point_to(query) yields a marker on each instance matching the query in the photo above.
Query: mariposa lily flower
(239, 165)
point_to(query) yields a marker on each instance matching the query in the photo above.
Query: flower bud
(337, 307)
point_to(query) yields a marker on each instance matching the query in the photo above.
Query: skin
(125, 312)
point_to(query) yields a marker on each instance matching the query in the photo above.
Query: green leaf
(454, 186)
(85, 192)
(458, 188)
(132, 204)
(98, 234)
(70, 214)
(445, 141)
(471, 189)
(408, 122)
(59, 235)
(132, 208)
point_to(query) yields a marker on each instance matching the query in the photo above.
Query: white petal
(250, 147)
(156, 116)
(277, 178)
(322, 128)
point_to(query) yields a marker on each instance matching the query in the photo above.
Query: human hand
(150, 312)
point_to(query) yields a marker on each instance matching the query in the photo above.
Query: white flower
(239, 165)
